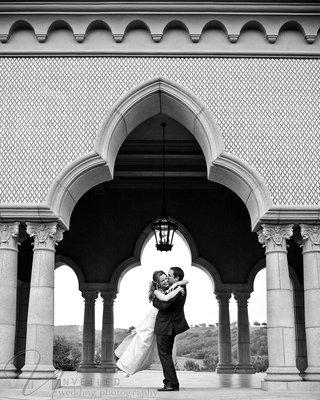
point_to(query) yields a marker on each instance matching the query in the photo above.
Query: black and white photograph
(160, 199)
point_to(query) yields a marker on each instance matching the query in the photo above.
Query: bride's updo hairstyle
(155, 283)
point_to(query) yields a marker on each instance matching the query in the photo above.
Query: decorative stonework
(311, 232)
(108, 297)
(242, 298)
(275, 236)
(90, 296)
(45, 235)
(63, 116)
(7, 232)
(223, 297)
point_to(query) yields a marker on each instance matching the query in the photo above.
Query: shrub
(210, 363)
(260, 363)
(66, 355)
(190, 365)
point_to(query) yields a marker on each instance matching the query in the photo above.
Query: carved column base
(8, 371)
(245, 369)
(87, 367)
(107, 367)
(312, 374)
(283, 374)
(225, 369)
(42, 371)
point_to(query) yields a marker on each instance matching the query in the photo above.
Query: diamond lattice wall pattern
(268, 111)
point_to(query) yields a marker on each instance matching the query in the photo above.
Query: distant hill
(197, 343)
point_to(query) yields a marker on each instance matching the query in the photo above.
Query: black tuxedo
(170, 321)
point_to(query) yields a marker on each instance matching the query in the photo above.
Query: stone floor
(143, 385)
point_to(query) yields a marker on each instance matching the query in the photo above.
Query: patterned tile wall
(268, 111)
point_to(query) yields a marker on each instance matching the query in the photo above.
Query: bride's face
(163, 281)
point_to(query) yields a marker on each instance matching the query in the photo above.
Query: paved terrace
(143, 385)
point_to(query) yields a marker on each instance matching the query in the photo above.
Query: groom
(169, 322)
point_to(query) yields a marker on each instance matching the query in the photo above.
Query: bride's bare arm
(179, 283)
(166, 297)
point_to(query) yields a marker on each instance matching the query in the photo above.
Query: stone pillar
(225, 365)
(280, 311)
(40, 323)
(311, 272)
(8, 296)
(21, 330)
(88, 334)
(244, 365)
(107, 336)
(301, 348)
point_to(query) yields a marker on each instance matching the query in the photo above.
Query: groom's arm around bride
(170, 321)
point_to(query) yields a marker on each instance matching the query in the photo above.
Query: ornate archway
(143, 102)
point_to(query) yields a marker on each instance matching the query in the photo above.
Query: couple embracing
(153, 338)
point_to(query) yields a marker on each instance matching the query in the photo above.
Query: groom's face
(171, 277)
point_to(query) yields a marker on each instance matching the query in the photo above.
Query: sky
(132, 303)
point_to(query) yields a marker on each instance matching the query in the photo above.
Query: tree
(66, 355)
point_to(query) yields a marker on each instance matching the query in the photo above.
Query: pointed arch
(152, 97)
(149, 99)
(143, 239)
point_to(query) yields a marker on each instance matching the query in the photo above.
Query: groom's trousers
(165, 345)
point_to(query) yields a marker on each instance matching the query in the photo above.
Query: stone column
(8, 296)
(21, 324)
(224, 366)
(40, 323)
(311, 273)
(244, 365)
(280, 311)
(107, 336)
(88, 334)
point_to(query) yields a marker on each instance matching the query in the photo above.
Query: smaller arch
(261, 265)
(20, 25)
(97, 24)
(59, 24)
(214, 24)
(242, 179)
(62, 260)
(253, 25)
(137, 24)
(73, 181)
(176, 24)
(143, 239)
(292, 26)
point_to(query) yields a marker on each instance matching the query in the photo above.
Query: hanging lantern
(164, 228)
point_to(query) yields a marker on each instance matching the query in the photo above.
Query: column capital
(46, 235)
(108, 296)
(9, 232)
(242, 298)
(274, 237)
(223, 297)
(310, 237)
(90, 296)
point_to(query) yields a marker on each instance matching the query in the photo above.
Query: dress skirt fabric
(138, 351)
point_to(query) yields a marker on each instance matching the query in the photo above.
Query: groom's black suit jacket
(170, 318)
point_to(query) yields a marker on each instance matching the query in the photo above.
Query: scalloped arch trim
(157, 29)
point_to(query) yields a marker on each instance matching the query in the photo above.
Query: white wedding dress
(139, 350)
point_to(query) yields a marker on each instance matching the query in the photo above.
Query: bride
(139, 349)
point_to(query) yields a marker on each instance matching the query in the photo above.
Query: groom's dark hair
(177, 271)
